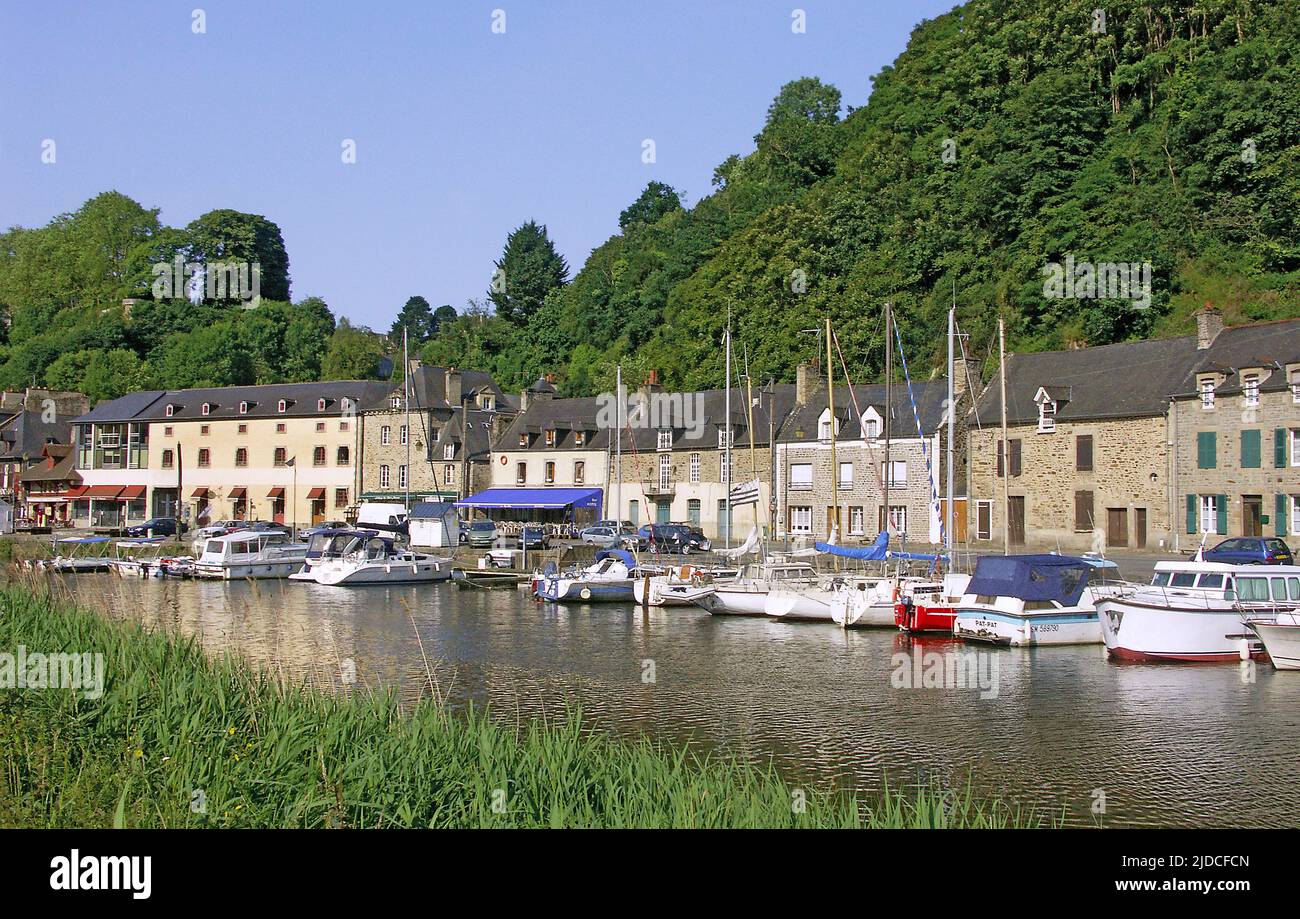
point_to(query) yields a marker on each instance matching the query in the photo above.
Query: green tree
(654, 202)
(529, 269)
(416, 319)
(354, 353)
(226, 236)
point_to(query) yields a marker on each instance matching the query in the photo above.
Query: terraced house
(31, 421)
(442, 447)
(282, 452)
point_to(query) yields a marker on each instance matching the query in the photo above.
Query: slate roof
(24, 434)
(429, 389)
(302, 399)
(930, 396)
(63, 470)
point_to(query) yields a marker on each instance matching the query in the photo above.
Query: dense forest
(1006, 137)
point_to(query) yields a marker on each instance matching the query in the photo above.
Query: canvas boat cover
(1031, 577)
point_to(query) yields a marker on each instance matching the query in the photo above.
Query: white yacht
(746, 594)
(1035, 600)
(1198, 611)
(1281, 639)
(250, 554)
(361, 557)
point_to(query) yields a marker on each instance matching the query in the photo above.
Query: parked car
(533, 538)
(158, 526)
(1251, 550)
(630, 539)
(481, 534)
(603, 536)
(218, 528)
(306, 533)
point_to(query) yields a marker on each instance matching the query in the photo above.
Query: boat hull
(396, 573)
(1281, 643)
(919, 617)
(238, 571)
(1049, 627)
(1133, 630)
(574, 591)
(660, 591)
(812, 605)
(730, 601)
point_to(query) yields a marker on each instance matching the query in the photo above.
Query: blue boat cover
(918, 556)
(553, 498)
(622, 555)
(1031, 577)
(876, 552)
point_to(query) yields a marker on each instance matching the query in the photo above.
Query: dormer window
(870, 424)
(1250, 388)
(397, 402)
(725, 438)
(281, 406)
(1206, 387)
(320, 404)
(665, 440)
(1047, 416)
(523, 440)
(206, 408)
(243, 408)
(550, 438)
(449, 451)
(344, 404)
(486, 402)
(1293, 380)
(171, 410)
(826, 425)
(579, 438)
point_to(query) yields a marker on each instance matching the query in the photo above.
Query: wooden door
(959, 518)
(1116, 526)
(1016, 519)
(1252, 511)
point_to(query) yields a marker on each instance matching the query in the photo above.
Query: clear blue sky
(461, 134)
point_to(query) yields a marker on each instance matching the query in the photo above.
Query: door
(317, 510)
(277, 510)
(959, 521)
(1140, 527)
(1016, 519)
(663, 511)
(1116, 526)
(1252, 513)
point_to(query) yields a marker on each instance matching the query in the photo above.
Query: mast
(833, 524)
(749, 416)
(889, 405)
(406, 402)
(1006, 445)
(727, 435)
(952, 422)
(618, 444)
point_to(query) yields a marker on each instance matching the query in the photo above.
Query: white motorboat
(1198, 611)
(1280, 638)
(683, 585)
(138, 558)
(368, 558)
(250, 554)
(1023, 600)
(608, 579)
(76, 555)
(746, 594)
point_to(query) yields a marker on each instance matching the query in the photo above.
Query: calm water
(1168, 745)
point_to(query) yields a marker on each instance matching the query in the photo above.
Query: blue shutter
(1191, 513)
(1221, 514)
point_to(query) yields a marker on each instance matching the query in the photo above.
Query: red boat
(931, 606)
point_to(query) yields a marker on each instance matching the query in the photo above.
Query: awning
(131, 492)
(316, 494)
(276, 492)
(103, 491)
(534, 497)
(201, 492)
(75, 492)
(239, 491)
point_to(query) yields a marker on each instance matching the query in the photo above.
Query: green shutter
(1279, 515)
(1206, 450)
(1279, 447)
(1221, 515)
(1250, 449)
(1191, 513)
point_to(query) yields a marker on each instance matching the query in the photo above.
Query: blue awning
(553, 498)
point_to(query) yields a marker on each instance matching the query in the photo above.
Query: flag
(289, 461)
(745, 493)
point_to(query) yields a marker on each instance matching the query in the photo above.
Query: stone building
(809, 492)
(1236, 427)
(29, 421)
(454, 415)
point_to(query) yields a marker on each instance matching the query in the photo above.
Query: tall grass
(181, 739)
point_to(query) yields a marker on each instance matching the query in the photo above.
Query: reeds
(181, 739)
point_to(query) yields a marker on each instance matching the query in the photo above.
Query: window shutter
(1083, 514)
(1279, 514)
(1205, 450)
(1015, 456)
(1221, 515)
(1250, 449)
(1191, 513)
(1000, 459)
(1279, 447)
(1083, 453)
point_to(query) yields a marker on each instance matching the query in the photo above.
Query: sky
(461, 131)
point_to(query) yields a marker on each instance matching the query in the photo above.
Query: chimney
(965, 373)
(523, 400)
(1209, 323)
(451, 381)
(807, 382)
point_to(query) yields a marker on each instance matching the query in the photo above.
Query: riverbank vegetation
(180, 739)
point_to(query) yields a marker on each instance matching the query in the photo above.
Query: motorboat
(1199, 611)
(76, 555)
(931, 605)
(1280, 638)
(250, 554)
(746, 594)
(1023, 600)
(327, 542)
(608, 579)
(138, 558)
(366, 558)
(681, 585)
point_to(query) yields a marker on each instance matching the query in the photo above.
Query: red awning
(103, 491)
(131, 492)
(75, 492)
(315, 494)
(200, 492)
(275, 493)
(239, 491)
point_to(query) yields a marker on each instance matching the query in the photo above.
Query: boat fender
(585, 593)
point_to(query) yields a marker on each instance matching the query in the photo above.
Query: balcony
(658, 488)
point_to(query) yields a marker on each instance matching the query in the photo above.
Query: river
(1061, 730)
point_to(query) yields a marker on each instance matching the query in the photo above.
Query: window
(403, 436)
(521, 473)
(167, 430)
(1295, 513)
(824, 429)
(396, 402)
(1250, 448)
(385, 476)
(206, 408)
(340, 497)
(168, 459)
(846, 475)
(1250, 388)
(897, 518)
(1047, 416)
(1206, 449)
(486, 402)
(241, 456)
(693, 512)
(726, 438)
(579, 438)
(320, 405)
(385, 435)
(449, 451)
(320, 427)
(205, 458)
(983, 519)
(1083, 453)
(281, 405)
(401, 476)
(693, 468)
(550, 437)
(550, 473)
(318, 456)
(801, 520)
(343, 456)
(801, 477)
(1294, 383)
(1209, 514)
(243, 429)
(1083, 511)
(665, 471)
(895, 473)
(343, 426)
(870, 428)
(523, 440)
(170, 410)
(665, 440)
(281, 455)
(726, 468)
(280, 428)
(857, 521)
(449, 475)
(204, 430)
(579, 472)
(243, 408)
(1207, 393)
(1294, 434)
(634, 512)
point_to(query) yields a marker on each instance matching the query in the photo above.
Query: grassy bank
(180, 739)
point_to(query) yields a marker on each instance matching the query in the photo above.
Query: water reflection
(1180, 745)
